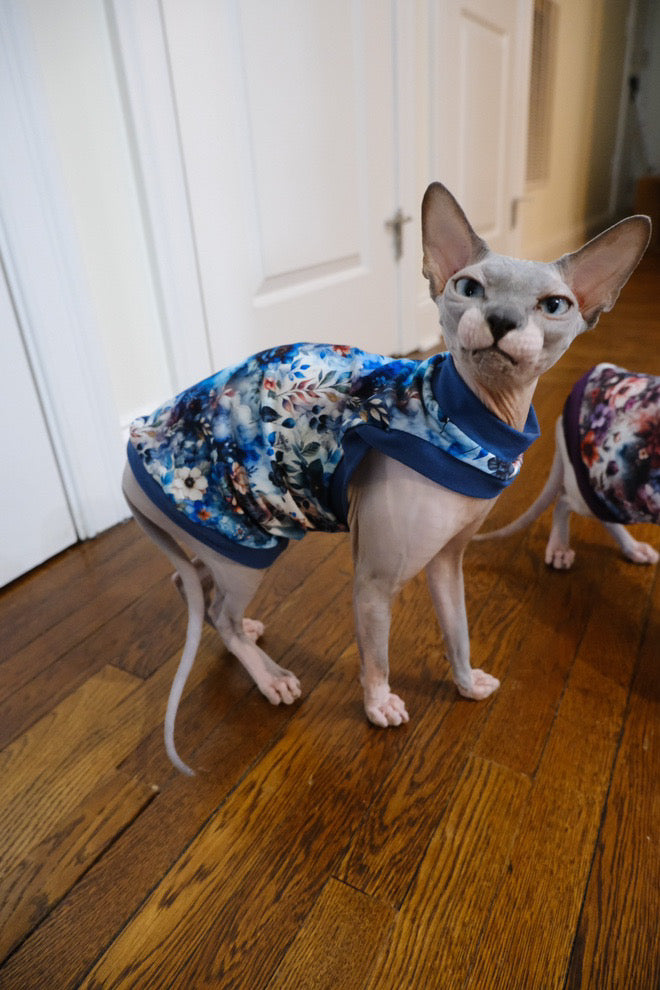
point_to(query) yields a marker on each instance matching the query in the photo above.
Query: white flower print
(188, 483)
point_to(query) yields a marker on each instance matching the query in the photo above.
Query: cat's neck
(510, 405)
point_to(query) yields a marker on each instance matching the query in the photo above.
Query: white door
(296, 130)
(35, 521)
(482, 71)
(286, 124)
(470, 86)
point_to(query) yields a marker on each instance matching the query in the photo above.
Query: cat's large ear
(599, 270)
(449, 241)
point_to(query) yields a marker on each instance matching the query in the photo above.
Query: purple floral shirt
(612, 430)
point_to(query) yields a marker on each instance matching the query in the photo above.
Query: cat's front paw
(280, 686)
(389, 709)
(641, 553)
(481, 685)
(559, 556)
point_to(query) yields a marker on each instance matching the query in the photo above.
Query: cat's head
(505, 320)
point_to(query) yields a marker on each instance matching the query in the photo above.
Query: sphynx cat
(606, 464)
(408, 456)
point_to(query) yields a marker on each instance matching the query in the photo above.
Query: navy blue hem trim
(571, 426)
(416, 453)
(249, 556)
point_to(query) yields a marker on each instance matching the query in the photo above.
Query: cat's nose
(500, 322)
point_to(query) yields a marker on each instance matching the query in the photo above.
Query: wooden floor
(511, 843)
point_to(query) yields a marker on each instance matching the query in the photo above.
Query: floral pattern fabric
(251, 451)
(619, 443)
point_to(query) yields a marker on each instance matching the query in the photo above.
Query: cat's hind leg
(635, 550)
(236, 585)
(252, 627)
(558, 552)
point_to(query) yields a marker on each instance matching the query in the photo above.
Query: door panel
(483, 122)
(35, 521)
(309, 148)
(285, 115)
(303, 126)
(470, 102)
(480, 73)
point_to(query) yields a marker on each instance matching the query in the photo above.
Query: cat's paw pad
(481, 685)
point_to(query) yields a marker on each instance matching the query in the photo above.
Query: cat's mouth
(493, 349)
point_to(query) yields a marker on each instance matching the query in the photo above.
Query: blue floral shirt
(612, 430)
(264, 451)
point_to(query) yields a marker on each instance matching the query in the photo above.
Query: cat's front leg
(372, 599)
(445, 577)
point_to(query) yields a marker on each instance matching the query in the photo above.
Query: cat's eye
(555, 305)
(469, 287)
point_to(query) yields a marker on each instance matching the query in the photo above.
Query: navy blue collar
(471, 416)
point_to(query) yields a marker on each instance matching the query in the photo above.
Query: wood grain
(552, 857)
(72, 582)
(35, 884)
(166, 827)
(384, 854)
(338, 943)
(436, 934)
(618, 942)
(506, 844)
(28, 690)
(198, 924)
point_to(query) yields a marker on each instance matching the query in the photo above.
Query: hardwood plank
(617, 938)
(263, 831)
(95, 728)
(164, 830)
(338, 943)
(276, 837)
(82, 615)
(71, 576)
(162, 608)
(531, 928)
(321, 711)
(33, 886)
(150, 629)
(549, 634)
(32, 765)
(436, 934)
(138, 634)
(68, 565)
(385, 851)
(56, 681)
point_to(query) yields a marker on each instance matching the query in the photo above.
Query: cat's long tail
(193, 593)
(553, 487)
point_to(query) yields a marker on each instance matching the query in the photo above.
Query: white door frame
(141, 58)
(40, 253)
